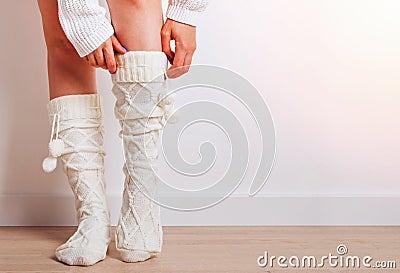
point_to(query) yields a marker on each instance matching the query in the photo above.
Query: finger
(86, 60)
(176, 69)
(117, 45)
(166, 45)
(110, 59)
(92, 60)
(98, 54)
(171, 57)
(188, 62)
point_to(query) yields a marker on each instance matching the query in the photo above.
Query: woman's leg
(77, 139)
(138, 83)
(68, 73)
(137, 23)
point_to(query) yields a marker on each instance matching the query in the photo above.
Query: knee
(60, 47)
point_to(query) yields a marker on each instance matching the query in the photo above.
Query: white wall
(329, 71)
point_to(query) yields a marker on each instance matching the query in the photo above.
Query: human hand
(185, 45)
(104, 57)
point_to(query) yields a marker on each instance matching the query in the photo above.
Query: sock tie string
(56, 146)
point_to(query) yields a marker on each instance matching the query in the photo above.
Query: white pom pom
(56, 148)
(49, 164)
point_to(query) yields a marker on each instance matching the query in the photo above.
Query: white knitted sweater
(87, 24)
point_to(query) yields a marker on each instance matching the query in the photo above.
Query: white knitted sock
(139, 85)
(77, 138)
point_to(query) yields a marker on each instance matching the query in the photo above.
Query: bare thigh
(68, 73)
(137, 23)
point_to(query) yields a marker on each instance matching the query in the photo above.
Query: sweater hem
(87, 44)
(183, 15)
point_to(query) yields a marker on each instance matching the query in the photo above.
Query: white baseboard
(237, 210)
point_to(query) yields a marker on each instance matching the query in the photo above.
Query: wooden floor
(207, 249)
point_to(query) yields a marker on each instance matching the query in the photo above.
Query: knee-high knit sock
(77, 138)
(139, 85)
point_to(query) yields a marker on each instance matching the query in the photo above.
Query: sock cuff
(75, 107)
(141, 66)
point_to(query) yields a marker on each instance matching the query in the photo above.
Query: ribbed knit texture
(140, 66)
(139, 231)
(87, 26)
(186, 11)
(75, 107)
(81, 132)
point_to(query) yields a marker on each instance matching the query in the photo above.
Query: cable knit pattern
(140, 113)
(86, 25)
(80, 131)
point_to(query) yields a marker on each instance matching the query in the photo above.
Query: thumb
(117, 45)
